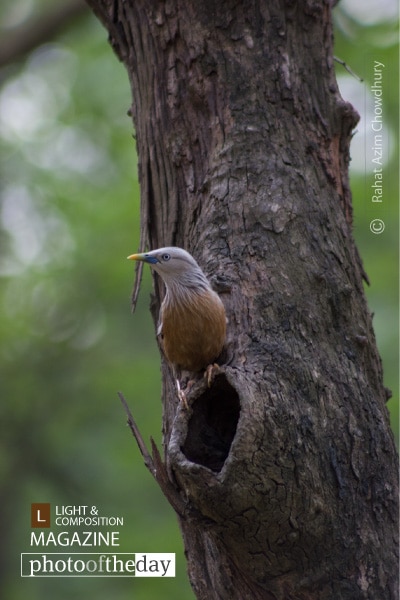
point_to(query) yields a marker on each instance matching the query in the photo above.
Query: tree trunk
(286, 464)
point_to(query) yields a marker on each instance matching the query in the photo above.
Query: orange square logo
(40, 514)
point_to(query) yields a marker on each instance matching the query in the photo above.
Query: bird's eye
(166, 257)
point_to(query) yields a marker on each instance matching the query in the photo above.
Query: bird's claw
(182, 395)
(211, 372)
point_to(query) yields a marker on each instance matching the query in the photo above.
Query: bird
(192, 319)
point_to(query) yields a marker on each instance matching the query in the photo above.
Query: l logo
(40, 514)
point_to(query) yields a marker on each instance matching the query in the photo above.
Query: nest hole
(212, 425)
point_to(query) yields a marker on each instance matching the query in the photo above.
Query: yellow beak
(147, 258)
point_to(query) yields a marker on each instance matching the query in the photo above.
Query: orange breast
(193, 330)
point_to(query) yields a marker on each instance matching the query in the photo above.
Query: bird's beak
(135, 257)
(144, 258)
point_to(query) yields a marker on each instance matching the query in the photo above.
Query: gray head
(176, 267)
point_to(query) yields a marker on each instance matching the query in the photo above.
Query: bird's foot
(211, 372)
(182, 393)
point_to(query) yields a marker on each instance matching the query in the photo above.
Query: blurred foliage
(69, 215)
(364, 35)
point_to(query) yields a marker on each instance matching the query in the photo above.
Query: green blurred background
(69, 215)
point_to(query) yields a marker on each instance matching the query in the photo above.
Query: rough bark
(286, 464)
